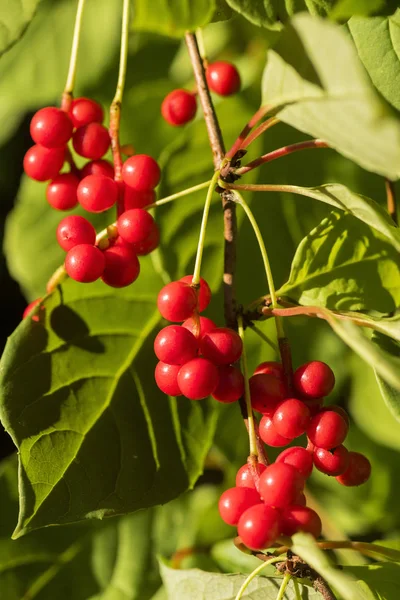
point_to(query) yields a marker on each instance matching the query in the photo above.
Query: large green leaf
(378, 44)
(315, 81)
(381, 580)
(390, 394)
(344, 9)
(173, 18)
(344, 264)
(274, 13)
(15, 16)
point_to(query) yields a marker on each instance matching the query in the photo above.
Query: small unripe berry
(85, 263)
(179, 107)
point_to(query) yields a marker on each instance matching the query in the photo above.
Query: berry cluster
(180, 106)
(269, 501)
(195, 357)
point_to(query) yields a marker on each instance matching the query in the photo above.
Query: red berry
(97, 193)
(259, 526)
(299, 458)
(291, 418)
(98, 167)
(235, 501)
(357, 472)
(85, 263)
(314, 405)
(198, 378)
(204, 292)
(223, 78)
(300, 499)
(177, 301)
(331, 462)
(75, 230)
(327, 429)
(266, 392)
(166, 377)
(51, 127)
(199, 326)
(179, 107)
(269, 435)
(42, 163)
(244, 477)
(61, 192)
(84, 111)
(122, 266)
(300, 518)
(141, 172)
(222, 346)
(91, 141)
(150, 243)
(340, 411)
(138, 228)
(175, 345)
(271, 368)
(230, 386)
(314, 379)
(279, 484)
(30, 308)
(135, 199)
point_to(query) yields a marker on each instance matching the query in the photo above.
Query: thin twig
(391, 199)
(285, 151)
(261, 112)
(69, 85)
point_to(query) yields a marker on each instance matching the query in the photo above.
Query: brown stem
(70, 160)
(246, 130)
(391, 199)
(66, 101)
(115, 119)
(285, 151)
(259, 131)
(320, 585)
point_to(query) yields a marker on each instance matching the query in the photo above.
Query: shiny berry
(204, 293)
(235, 501)
(259, 526)
(175, 345)
(223, 346)
(137, 227)
(327, 429)
(223, 78)
(230, 386)
(198, 378)
(279, 485)
(291, 418)
(150, 243)
(299, 458)
(266, 392)
(314, 379)
(135, 199)
(179, 107)
(61, 191)
(84, 111)
(357, 472)
(122, 266)
(97, 193)
(331, 462)
(177, 301)
(271, 368)
(42, 163)
(340, 411)
(300, 518)
(75, 230)
(300, 499)
(141, 172)
(199, 326)
(91, 141)
(269, 435)
(85, 263)
(51, 127)
(245, 476)
(98, 167)
(166, 377)
(314, 405)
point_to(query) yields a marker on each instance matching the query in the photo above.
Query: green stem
(69, 84)
(203, 227)
(283, 587)
(264, 337)
(254, 574)
(191, 190)
(296, 588)
(123, 56)
(249, 409)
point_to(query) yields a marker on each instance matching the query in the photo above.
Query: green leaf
(381, 580)
(344, 9)
(222, 11)
(231, 560)
(315, 81)
(173, 18)
(274, 13)
(378, 44)
(343, 264)
(390, 394)
(15, 16)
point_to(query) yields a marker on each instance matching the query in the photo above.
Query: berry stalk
(203, 228)
(69, 84)
(254, 574)
(250, 415)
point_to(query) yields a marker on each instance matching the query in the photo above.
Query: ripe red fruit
(269, 435)
(291, 418)
(222, 346)
(42, 163)
(327, 429)
(230, 386)
(314, 405)
(97, 193)
(122, 266)
(166, 377)
(179, 107)
(85, 263)
(266, 392)
(150, 243)
(141, 172)
(51, 127)
(279, 484)
(340, 411)
(98, 167)
(223, 78)
(61, 192)
(91, 141)
(331, 462)
(84, 111)
(314, 379)
(235, 501)
(135, 199)
(138, 228)
(199, 326)
(75, 230)
(259, 526)
(204, 294)
(300, 499)
(271, 368)
(177, 301)
(299, 458)
(29, 309)
(300, 518)
(175, 345)
(357, 472)
(198, 378)
(244, 477)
